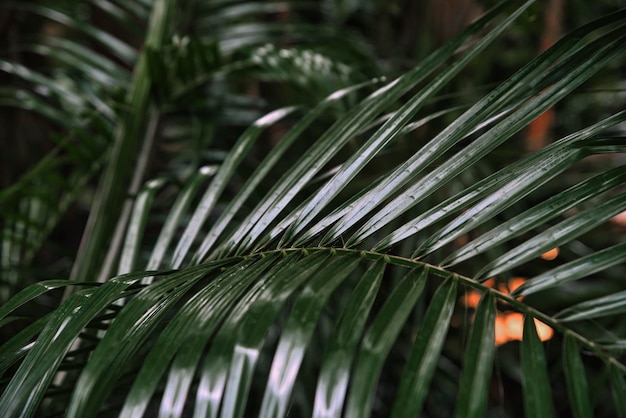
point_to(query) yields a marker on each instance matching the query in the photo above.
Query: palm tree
(314, 264)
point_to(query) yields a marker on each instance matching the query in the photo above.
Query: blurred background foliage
(251, 57)
(223, 71)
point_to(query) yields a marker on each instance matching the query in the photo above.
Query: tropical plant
(314, 264)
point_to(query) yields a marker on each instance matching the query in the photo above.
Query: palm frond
(329, 285)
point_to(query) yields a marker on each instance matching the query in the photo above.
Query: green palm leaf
(319, 275)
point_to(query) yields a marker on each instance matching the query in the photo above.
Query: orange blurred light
(514, 326)
(544, 331)
(462, 240)
(620, 219)
(551, 254)
(471, 299)
(516, 282)
(510, 327)
(500, 329)
(490, 282)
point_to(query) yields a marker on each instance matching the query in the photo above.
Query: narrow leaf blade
(535, 381)
(474, 386)
(575, 379)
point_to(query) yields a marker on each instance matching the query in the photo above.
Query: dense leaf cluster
(308, 260)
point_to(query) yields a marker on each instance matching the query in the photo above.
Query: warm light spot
(508, 287)
(619, 219)
(516, 282)
(551, 254)
(471, 299)
(544, 331)
(500, 329)
(510, 327)
(490, 282)
(514, 326)
(462, 240)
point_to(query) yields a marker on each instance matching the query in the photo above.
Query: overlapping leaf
(242, 334)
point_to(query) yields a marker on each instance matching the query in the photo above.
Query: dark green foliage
(280, 226)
